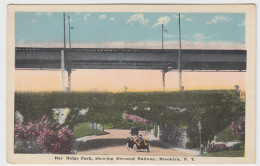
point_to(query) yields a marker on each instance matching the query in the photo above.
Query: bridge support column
(69, 79)
(163, 79)
(62, 70)
(181, 87)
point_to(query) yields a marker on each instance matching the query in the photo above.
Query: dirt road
(115, 144)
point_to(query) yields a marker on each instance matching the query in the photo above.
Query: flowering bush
(30, 131)
(51, 141)
(238, 128)
(59, 142)
(134, 118)
(217, 148)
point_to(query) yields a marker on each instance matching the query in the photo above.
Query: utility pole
(163, 30)
(180, 57)
(62, 57)
(64, 30)
(162, 36)
(163, 71)
(69, 31)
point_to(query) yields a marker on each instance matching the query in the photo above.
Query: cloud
(219, 18)
(137, 18)
(242, 23)
(162, 20)
(71, 20)
(33, 21)
(177, 16)
(189, 19)
(199, 37)
(112, 18)
(102, 16)
(182, 17)
(49, 14)
(85, 17)
(166, 35)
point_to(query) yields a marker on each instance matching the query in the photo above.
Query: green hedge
(214, 108)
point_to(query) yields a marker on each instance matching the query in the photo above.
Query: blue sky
(32, 27)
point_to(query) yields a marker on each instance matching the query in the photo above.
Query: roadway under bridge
(117, 58)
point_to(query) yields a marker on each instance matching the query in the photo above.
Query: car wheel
(135, 147)
(149, 148)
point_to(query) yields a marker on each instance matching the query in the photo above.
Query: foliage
(30, 131)
(215, 115)
(128, 125)
(226, 135)
(134, 118)
(238, 146)
(171, 134)
(83, 129)
(58, 142)
(208, 106)
(235, 153)
(52, 141)
(217, 148)
(238, 128)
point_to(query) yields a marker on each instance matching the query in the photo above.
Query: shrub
(208, 106)
(30, 131)
(226, 135)
(56, 140)
(217, 148)
(238, 128)
(237, 146)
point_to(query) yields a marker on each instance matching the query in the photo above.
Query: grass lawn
(226, 135)
(83, 129)
(234, 153)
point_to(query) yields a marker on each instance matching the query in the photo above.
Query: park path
(114, 143)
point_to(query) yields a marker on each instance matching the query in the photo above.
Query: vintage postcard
(137, 84)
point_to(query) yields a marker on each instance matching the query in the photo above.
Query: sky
(129, 30)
